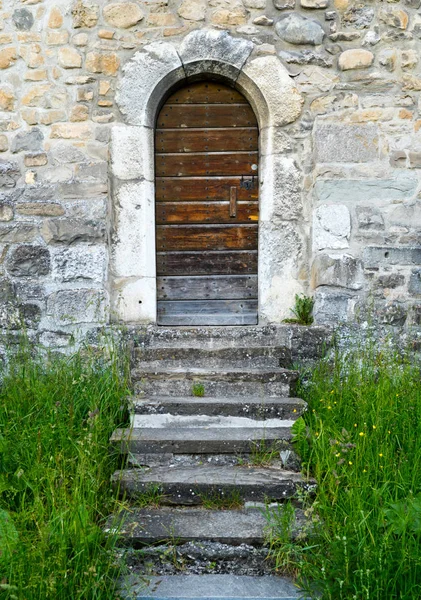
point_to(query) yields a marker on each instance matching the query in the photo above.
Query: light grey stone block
(79, 263)
(333, 307)
(338, 271)
(415, 283)
(81, 305)
(369, 218)
(346, 143)
(331, 227)
(28, 141)
(146, 78)
(402, 185)
(214, 51)
(296, 29)
(383, 255)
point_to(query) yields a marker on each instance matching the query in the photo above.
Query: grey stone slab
(188, 485)
(170, 421)
(235, 382)
(375, 256)
(296, 29)
(346, 143)
(218, 357)
(213, 51)
(402, 185)
(197, 440)
(212, 587)
(149, 525)
(246, 406)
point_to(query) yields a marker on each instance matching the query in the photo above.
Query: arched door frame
(148, 78)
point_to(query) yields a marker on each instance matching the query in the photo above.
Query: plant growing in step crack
(222, 500)
(198, 390)
(151, 496)
(264, 452)
(303, 310)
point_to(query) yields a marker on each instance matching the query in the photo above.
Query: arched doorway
(206, 203)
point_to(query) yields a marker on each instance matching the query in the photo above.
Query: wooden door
(206, 157)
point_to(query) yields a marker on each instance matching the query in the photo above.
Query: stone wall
(355, 150)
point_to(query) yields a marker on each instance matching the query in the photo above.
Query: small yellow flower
(350, 462)
(337, 454)
(381, 466)
(355, 425)
(329, 408)
(388, 432)
(332, 392)
(364, 470)
(361, 433)
(374, 427)
(295, 410)
(380, 454)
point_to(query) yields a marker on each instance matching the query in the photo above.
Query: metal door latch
(249, 183)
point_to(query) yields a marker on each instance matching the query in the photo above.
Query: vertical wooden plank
(233, 201)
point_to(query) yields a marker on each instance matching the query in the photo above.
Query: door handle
(233, 201)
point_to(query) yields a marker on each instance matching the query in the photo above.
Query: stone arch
(147, 80)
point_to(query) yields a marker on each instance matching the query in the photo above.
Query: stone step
(196, 440)
(305, 343)
(170, 421)
(147, 526)
(213, 358)
(284, 459)
(209, 587)
(192, 485)
(252, 406)
(218, 382)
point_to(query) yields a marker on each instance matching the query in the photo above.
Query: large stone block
(28, 261)
(83, 305)
(122, 14)
(132, 152)
(375, 256)
(399, 187)
(337, 271)
(296, 29)
(214, 51)
(9, 173)
(332, 307)
(134, 237)
(272, 92)
(331, 227)
(18, 232)
(415, 283)
(79, 263)
(29, 141)
(346, 143)
(369, 218)
(280, 189)
(282, 256)
(147, 77)
(69, 231)
(135, 299)
(23, 19)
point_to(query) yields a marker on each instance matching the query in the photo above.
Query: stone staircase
(203, 472)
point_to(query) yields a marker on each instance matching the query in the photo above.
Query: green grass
(222, 500)
(361, 439)
(198, 390)
(152, 496)
(56, 417)
(263, 453)
(302, 310)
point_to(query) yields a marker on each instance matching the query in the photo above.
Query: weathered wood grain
(202, 163)
(220, 287)
(232, 262)
(210, 140)
(206, 115)
(206, 237)
(205, 212)
(208, 312)
(185, 189)
(205, 92)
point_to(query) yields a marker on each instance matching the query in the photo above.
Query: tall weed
(362, 442)
(56, 416)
